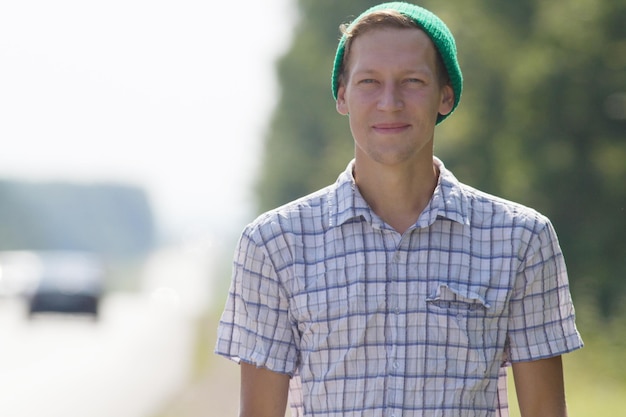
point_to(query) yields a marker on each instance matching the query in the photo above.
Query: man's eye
(367, 81)
(414, 80)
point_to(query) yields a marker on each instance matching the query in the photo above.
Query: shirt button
(395, 365)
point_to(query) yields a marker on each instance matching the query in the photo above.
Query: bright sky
(173, 96)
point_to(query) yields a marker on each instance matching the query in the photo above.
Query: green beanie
(434, 27)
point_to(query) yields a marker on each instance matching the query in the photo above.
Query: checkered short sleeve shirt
(373, 323)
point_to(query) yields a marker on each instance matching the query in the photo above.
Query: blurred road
(129, 363)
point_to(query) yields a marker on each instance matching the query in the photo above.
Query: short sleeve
(255, 326)
(542, 318)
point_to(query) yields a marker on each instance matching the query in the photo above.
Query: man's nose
(390, 98)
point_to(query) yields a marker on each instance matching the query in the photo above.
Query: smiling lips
(390, 128)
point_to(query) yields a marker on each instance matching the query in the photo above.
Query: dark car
(68, 282)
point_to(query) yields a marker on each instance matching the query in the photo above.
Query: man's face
(392, 95)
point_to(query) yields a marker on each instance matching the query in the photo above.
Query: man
(398, 291)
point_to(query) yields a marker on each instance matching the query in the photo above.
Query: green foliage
(542, 120)
(550, 142)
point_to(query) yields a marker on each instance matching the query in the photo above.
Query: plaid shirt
(373, 323)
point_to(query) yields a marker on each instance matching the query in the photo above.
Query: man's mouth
(391, 127)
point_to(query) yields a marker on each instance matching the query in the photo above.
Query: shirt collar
(348, 203)
(448, 200)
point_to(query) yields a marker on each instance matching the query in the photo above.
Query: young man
(398, 291)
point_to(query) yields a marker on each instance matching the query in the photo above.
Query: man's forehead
(411, 45)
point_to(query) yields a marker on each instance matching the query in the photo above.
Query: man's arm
(263, 392)
(540, 388)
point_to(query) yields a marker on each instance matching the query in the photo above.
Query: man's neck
(397, 194)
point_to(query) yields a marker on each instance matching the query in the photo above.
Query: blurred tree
(308, 143)
(109, 219)
(545, 125)
(542, 120)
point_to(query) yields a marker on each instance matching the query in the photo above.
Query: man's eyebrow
(417, 71)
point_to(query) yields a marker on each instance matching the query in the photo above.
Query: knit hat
(436, 30)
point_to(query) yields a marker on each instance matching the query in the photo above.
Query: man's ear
(447, 100)
(342, 108)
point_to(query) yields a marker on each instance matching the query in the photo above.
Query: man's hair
(383, 19)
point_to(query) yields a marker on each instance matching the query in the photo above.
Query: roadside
(214, 387)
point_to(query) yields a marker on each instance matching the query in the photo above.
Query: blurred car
(57, 281)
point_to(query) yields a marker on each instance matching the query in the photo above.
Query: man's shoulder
(495, 209)
(308, 212)
(484, 209)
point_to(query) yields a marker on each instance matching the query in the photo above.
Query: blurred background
(138, 138)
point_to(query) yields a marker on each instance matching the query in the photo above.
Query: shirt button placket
(395, 386)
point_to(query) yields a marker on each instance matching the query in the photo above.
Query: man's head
(403, 15)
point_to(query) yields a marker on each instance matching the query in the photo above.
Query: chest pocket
(462, 324)
(457, 299)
